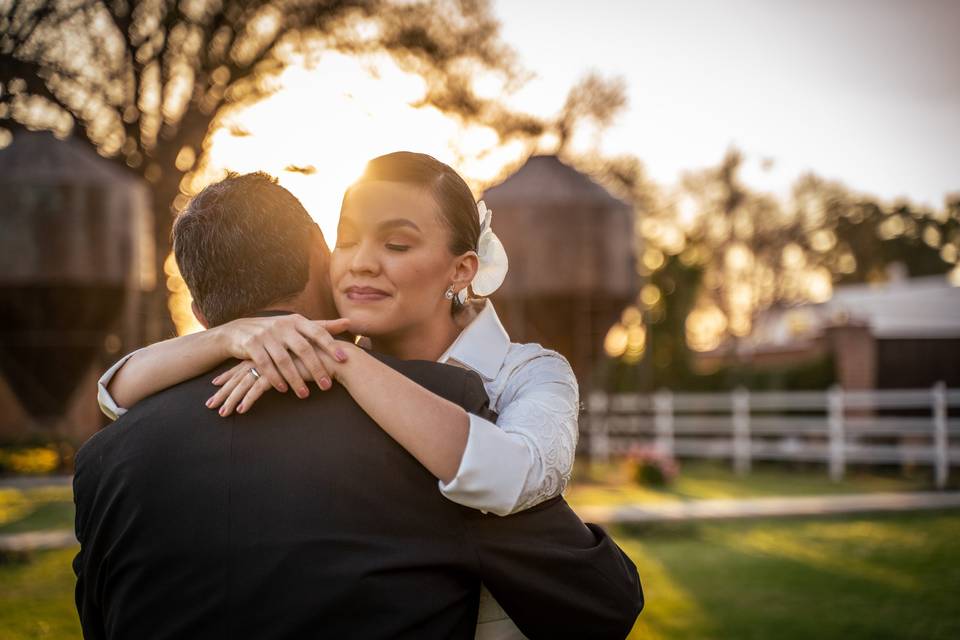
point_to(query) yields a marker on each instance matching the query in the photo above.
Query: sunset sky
(865, 91)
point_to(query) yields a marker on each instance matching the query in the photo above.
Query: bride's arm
(503, 468)
(164, 364)
(159, 366)
(432, 429)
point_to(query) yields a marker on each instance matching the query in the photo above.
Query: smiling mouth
(365, 294)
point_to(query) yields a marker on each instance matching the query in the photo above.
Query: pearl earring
(448, 294)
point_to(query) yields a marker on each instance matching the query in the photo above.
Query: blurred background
(739, 221)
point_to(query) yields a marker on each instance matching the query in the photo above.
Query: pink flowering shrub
(650, 467)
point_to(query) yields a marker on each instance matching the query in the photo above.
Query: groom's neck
(307, 311)
(309, 303)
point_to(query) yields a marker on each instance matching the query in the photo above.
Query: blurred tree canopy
(715, 253)
(145, 81)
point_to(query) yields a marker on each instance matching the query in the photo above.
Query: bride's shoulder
(532, 361)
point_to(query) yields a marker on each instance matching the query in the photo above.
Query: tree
(714, 253)
(745, 251)
(593, 99)
(145, 81)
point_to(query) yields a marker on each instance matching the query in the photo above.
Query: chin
(365, 322)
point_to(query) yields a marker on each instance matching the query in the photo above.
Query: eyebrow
(397, 222)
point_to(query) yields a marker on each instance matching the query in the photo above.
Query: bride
(412, 244)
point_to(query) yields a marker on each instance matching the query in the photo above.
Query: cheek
(338, 264)
(418, 279)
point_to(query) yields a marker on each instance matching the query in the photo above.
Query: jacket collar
(482, 346)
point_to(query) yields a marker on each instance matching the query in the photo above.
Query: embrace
(414, 492)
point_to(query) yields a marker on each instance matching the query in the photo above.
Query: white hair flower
(492, 255)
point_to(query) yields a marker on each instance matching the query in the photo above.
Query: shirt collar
(482, 346)
(270, 313)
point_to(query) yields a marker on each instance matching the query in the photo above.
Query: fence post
(741, 430)
(836, 433)
(940, 452)
(599, 437)
(663, 421)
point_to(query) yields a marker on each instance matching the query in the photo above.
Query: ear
(198, 314)
(464, 269)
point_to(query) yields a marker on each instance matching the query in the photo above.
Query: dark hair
(243, 244)
(454, 199)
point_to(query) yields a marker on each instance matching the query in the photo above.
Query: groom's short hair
(243, 244)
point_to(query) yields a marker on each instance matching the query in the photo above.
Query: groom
(303, 519)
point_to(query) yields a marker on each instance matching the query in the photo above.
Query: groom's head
(246, 244)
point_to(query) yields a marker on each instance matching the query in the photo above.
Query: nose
(365, 259)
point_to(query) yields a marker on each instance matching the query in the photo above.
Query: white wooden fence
(837, 427)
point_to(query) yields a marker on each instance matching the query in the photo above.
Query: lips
(365, 294)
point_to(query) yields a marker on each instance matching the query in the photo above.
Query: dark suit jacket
(303, 519)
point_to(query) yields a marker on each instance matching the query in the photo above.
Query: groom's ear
(202, 319)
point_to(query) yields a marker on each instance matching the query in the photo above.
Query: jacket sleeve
(85, 567)
(555, 576)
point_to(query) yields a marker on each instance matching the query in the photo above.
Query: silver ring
(255, 373)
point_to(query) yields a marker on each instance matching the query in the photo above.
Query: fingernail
(241, 409)
(283, 388)
(341, 355)
(302, 392)
(325, 383)
(223, 411)
(209, 403)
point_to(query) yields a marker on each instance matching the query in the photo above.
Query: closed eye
(398, 247)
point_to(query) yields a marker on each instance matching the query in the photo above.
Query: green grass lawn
(36, 509)
(36, 596)
(871, 577)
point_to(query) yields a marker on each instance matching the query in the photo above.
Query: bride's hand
(239, 390)
(269, 342)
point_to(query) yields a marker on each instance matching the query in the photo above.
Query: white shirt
(527, 456)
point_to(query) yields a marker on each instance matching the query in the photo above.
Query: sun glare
(325, 121)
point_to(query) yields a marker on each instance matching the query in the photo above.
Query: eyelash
(400, 248)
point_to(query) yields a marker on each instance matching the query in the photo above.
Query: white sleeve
(107, 404)
(527, 457)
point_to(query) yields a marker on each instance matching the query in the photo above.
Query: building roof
(546, 179)
(37, 157)
(926, 307)
(71, 216)
(564, 233)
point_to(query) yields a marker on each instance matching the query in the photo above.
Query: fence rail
(837, 427)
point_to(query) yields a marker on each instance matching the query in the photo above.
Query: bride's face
(391, 264)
